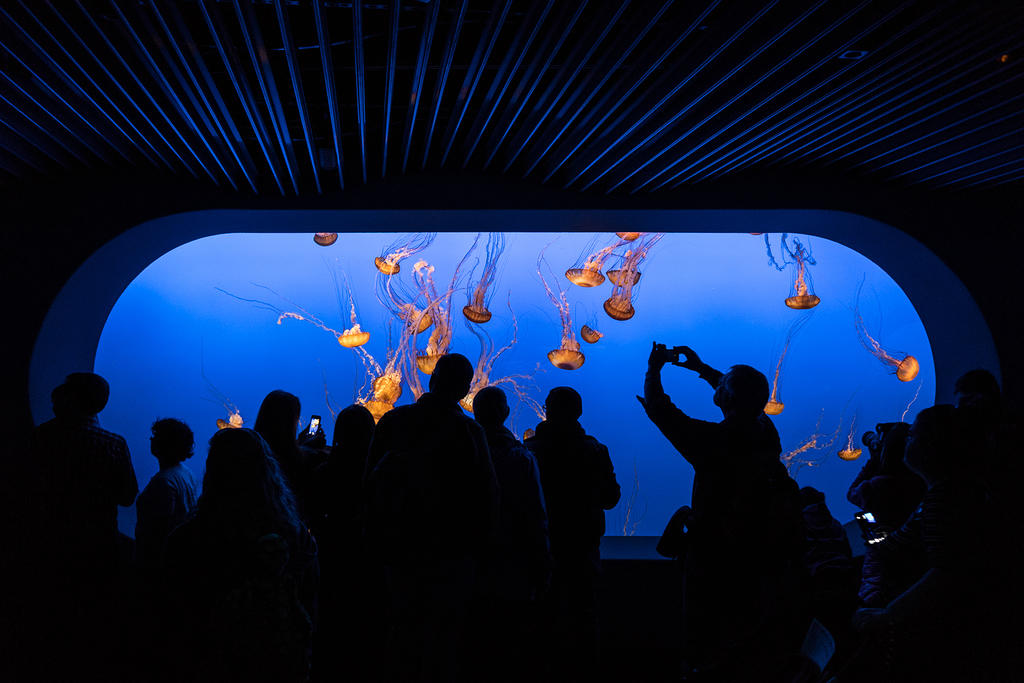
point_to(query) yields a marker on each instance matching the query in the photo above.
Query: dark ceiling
(634, 96)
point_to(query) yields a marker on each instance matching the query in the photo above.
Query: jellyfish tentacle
(905, 366)
(568, 355)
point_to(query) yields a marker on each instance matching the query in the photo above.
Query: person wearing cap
(82, 473)
(85, 473)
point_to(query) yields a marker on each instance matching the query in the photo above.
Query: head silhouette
(563, 404)
(977, 390)
(742, 391)
(934, 442)
(244, 493)
(278, 420)
(172, 441)
(83, 394)
(490, 407)
(353, 430)
(452, 377)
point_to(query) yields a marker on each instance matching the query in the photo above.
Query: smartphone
(314, 424)
(869, 528)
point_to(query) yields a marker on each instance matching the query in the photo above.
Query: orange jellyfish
(588, 274)
(590, 335)
(850, 452)
(439, 309)
(628, 236)
(234, 420)
(568, 355)
(382, 386)
(619, 306)
(350, 338)
(807, 452)
(801, 295)
(529, 434)
(904, 365)
(405, 304)
(476, 310)
(775, 404)
(325, 239)
(389, 261)
(483, 372)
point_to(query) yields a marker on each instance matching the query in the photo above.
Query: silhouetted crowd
(435, 546)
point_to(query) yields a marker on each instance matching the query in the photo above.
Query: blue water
(713, 292)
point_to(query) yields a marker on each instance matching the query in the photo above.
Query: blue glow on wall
(714, 292)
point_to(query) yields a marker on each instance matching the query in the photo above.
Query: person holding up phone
(745, 527)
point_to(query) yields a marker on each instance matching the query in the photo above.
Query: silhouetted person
(351, 616)
(955, 622)
(828, 560)
(887, 489)
(745, 529)
(517, 570)
(169, 496)
(277, 422)
(242, 572)
(579, 484)
(432, 512)
(84, 473)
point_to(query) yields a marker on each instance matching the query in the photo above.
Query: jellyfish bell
(849, 454)
(427, 362)
(619, 308)
(325, 239)
(234, 421)
(628, 236)
(387, 266)
(590, 335)
(353, 337)
(773, 407)
(584, 277)
(413, 314)
(619, 277)
(907, 369)
(566, 359)
(528, 434)
(387, 388)
(476, 314)
(802, 302)
(378, 408)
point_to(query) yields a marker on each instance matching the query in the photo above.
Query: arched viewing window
(198, 316)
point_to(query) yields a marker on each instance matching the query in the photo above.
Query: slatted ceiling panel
(639, 96)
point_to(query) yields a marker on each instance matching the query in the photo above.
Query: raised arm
(689, 436)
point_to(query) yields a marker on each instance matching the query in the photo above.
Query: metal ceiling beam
(446, 65)
(326, 64)
(297, 90)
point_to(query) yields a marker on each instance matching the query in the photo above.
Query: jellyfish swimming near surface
(389, 261)
(807, 452)
(568, 355)
(775, 406)
(628, 236)
(904, 365)
(588, 274)
(476, 310)
(801, 295)
(850, 452)
(619, 306)
(325, 239)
